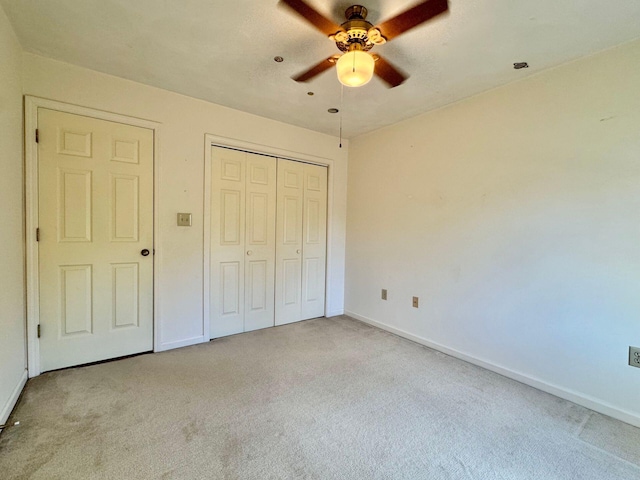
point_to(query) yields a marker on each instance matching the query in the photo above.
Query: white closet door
(227, 241)
(260, 242)
(243, 203)
(289, 241)
(301, 241)
(314, 241)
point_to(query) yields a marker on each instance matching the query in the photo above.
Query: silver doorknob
(249, 252)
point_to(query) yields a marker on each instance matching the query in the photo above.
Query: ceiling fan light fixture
(355, 68)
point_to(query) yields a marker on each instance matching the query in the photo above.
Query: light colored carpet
(322, 399)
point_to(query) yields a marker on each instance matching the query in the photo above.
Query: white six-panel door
(300, 241)
(95, 218)
(243, 219)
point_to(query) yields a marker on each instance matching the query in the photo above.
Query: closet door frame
(218, 141)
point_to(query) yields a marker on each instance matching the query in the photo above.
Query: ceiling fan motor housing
(357, 31)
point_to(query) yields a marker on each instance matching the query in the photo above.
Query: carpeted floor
(321, 399)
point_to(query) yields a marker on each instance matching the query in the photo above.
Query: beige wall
(515, 217)
(184, 123)
(12, 295)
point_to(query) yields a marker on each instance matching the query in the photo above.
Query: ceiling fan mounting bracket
(356, 12)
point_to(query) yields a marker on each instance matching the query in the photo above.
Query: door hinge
(38, 330)
(37, 136)
(37, 234)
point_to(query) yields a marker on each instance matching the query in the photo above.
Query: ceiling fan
(355, 37)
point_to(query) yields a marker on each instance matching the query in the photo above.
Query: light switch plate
(384, 294)
(184, 219)
(415, 302)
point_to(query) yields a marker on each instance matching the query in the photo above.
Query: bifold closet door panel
(289, 241)
(301, 240)
(228, 189)
(260, 242)
(314, 242)
(243, 246)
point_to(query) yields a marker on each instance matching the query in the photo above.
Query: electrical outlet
(415, 302)
(384, 294)
(184, 219)
(634, 356)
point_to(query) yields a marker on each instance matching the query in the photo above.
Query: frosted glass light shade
(355, 68)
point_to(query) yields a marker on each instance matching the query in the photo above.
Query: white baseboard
(181, 343)
(568, 394)
(13, 399)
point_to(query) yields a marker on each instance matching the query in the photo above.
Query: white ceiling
(222, 51)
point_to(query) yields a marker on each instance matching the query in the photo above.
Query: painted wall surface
(184, 123)
(515, 217)
(12, 293)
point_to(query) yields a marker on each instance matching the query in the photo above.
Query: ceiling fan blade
(412, 18)
(315, 70)
(312, 16)
(390, 74)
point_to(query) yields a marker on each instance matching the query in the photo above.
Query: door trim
(225, 142)
(31, 105)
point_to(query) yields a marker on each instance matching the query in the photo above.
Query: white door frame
(31, 212)
(218, 141)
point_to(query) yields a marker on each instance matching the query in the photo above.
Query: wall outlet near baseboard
(634, 356)
(415, 302)
(384, 294)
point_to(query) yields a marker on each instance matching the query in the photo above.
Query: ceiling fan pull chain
(341, 108)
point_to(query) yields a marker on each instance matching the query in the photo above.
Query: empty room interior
(320, 240)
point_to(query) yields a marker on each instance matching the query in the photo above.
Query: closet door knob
(144, 252)
(249, 252)
(298, 251)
